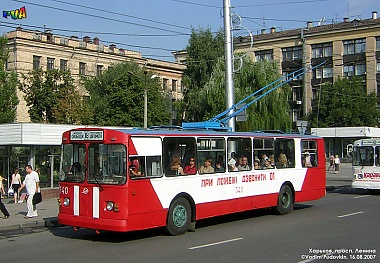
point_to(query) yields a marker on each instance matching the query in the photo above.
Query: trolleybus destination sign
(86, 135)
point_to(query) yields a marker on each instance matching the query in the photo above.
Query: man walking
(32, 184)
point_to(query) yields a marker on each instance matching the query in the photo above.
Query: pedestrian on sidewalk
(332, 157)
(336, 164)
(32, 184)
(2, 206)
(16, 183)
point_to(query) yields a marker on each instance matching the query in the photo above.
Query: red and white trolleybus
(133, 179)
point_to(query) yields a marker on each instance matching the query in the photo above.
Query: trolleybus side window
(177, 152)
(264, 152)
(107, 163)
(240, 153)
(284, 153)
(309, 157)
(212, 151)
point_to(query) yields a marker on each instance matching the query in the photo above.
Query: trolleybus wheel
(285, 200)
(179, 216)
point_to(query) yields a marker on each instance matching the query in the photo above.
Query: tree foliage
(344, 103)
(8, 87)
(117, 97)
(270, 112)
(52, 97)
(203, 51)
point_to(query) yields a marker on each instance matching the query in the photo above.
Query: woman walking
(16, 183)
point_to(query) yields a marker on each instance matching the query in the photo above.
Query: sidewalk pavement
(47, 215)
(48, 209)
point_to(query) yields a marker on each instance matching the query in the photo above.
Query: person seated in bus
(282, 161)
(135, 168)
(244, 166)
(256, 165)
(307, 159)
(263, 159)
(206, 168)
(219, 168)
(232, 165)
(190, 168)
(267, 164)
(175, 166)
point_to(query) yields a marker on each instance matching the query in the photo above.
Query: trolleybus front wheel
(179, 216)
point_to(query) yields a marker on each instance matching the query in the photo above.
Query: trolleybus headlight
(66, 201)
(110, 206)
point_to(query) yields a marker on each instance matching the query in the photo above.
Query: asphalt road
(342, 225)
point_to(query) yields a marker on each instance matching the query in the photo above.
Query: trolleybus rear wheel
(285, 200)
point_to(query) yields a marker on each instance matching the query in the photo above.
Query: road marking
(352, 214)
(361, 196)
(217, 243)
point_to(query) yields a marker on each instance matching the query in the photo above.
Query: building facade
(38, 144)
(348, 48)
(83, 57)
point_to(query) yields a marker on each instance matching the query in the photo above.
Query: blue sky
(157, 27)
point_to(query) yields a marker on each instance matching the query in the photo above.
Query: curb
(49, 222)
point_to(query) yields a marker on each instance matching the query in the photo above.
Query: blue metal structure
(219, 122)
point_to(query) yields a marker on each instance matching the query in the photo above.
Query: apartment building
(34, 49)
(348, 47)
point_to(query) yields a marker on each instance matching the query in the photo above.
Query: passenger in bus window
(267, 164)
(282, 161)
(231, 165)
(189, 169)
(307, 160)
(257, 165)
(263, 159)
(219, 167)
(244, 166)
(176, 165)
(206, 168)
(135, 168)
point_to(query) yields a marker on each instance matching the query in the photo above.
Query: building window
(50, 63)
(360, 69)
(264, 55)
(323, 73)
(354, 46)
(82, 68)
(293, 75)
(99, 69)
(348, 71)
(174, 85)
(292, 53)
(36, 62)
(63, 64)
(165, 84)
(321, 50)
(378, 67)
(378, 44)
(351, 70)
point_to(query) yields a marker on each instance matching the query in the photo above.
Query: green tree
(117, 97)
(203, 51)
(8, 86)
(344, 103)
(270, 112)
(52, 97)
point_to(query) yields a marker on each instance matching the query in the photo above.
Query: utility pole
(228, 51)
